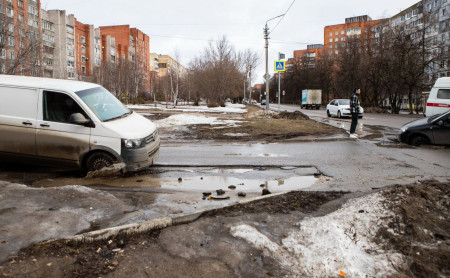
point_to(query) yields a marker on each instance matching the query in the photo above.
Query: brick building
(21, 36)
(308, 56)
(359, 27)
(84, 49)
(123, 42)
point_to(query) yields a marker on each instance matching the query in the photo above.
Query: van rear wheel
(99, 160)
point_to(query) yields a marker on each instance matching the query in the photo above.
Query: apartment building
(64, 52)
(163, 64)
(428, 19)
(84, 49)
(47, 44)
(123, 42)
(308, 56)
(20, 37)
(337, 36)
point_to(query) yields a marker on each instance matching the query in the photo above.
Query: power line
(282, 17)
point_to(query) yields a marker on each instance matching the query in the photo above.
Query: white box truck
(311, 99)
(71, 123)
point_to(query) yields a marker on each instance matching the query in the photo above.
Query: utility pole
(250, 81)
(266, 37)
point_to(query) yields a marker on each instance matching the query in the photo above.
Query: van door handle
(45, 125)
(27, 123)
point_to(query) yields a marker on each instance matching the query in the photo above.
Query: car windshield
(344, 102)
(103, 104)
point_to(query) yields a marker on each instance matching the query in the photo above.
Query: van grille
(151, 137)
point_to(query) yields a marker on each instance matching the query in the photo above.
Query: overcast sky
(186, 26)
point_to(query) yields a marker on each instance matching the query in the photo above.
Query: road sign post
(279, 66)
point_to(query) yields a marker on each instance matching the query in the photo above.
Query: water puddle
(213, 183)
(247, 179)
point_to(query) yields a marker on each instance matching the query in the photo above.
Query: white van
(71, 123)
(439, 98)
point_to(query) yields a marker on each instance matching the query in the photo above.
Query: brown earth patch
(421, 233)
(421, 227)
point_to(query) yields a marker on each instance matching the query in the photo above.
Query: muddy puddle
(247, 179)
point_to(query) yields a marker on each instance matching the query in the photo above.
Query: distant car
(341, 108)
(431, 130)
(263, 101)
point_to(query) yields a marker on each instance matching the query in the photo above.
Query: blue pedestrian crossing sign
(279, 66)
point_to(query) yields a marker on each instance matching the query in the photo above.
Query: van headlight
(403, 129)
(133, 143)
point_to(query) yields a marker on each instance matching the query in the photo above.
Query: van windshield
(103, 104)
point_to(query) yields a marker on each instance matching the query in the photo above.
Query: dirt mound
(421, 228)
(296, 115)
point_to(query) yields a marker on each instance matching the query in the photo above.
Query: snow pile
(229, 108)
(342, 240)
(186, 119)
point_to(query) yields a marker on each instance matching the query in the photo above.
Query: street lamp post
(266, 37)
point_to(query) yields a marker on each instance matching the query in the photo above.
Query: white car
(341, 108)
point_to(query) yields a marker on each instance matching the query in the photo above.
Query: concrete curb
(152, 224)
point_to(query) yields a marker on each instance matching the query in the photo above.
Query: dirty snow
(229, 108)
(186, 119)
(322, 246)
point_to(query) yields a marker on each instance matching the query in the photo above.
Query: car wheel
(418, 140)
(99, 160)
(339, 114)
(328, 113)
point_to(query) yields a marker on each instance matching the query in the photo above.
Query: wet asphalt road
(374, 161)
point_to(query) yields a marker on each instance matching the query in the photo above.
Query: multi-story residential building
(47, 44)
(123, 42)
(64, 53)
(165, 63)
(359, 27)
(84, 49)
(428, 20)
(20, 37)
(308, 56)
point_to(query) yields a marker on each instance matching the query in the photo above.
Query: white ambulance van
(71, 123)
(439, 98)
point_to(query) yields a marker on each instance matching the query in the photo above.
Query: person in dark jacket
(354, 109)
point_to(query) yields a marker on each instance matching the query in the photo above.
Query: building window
(69, 29)
(11, 55)
(336, 33)
(97, 61)
(9, 12)
(70, 63)
(83, 49)
(331, 33)
(83, 70)
(21, 17)
(83, 59)
(3, 53)
(11, 41)
(20, 4)
(83, 39)
(331, 40)
(336, 39)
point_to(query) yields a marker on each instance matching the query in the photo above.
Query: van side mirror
(79, 119)
(440, 123)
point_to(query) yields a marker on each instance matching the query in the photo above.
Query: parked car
(341, 108)
(431, 130)
(263, 101)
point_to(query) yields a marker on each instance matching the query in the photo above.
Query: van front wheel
(99, 160)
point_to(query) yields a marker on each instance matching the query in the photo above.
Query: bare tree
(216, 75)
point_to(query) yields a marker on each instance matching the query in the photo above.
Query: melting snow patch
(185, 119)
(342, 240)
